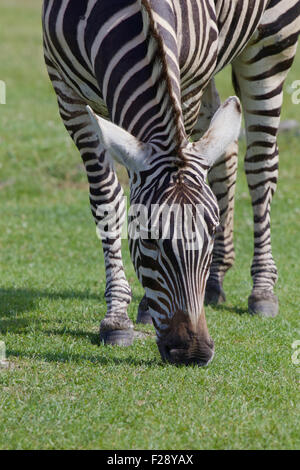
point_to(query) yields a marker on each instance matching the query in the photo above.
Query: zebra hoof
(143, 315)
(264, 304)
(214, 294)
(117, 337)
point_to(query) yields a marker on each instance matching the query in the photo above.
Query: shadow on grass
(80, 359)
(29, 295)
(91, 337)
(16, 302)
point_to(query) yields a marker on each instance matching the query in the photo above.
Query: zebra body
(193, 57)
(148, 66)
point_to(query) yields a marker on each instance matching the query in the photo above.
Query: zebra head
(171, 228)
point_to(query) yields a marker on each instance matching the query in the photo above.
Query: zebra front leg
(222, 179)
(108, 205)
(116, 327)
(259, 74)
(105, 194)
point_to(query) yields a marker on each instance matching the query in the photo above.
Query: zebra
(134, 81)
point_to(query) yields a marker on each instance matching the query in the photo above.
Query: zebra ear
(224, 129)
(122, 146)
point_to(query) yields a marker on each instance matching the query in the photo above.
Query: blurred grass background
(66, 391)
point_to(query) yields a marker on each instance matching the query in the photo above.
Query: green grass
(66, 391)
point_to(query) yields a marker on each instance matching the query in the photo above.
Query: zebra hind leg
(222, 179)
(105, 194)
(260, 72)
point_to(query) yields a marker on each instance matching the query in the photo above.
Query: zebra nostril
(176, 355)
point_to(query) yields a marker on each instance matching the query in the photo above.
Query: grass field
(64, 390)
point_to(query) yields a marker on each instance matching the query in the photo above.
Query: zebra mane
(180, 135)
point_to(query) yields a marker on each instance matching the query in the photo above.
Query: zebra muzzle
(185, 343)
